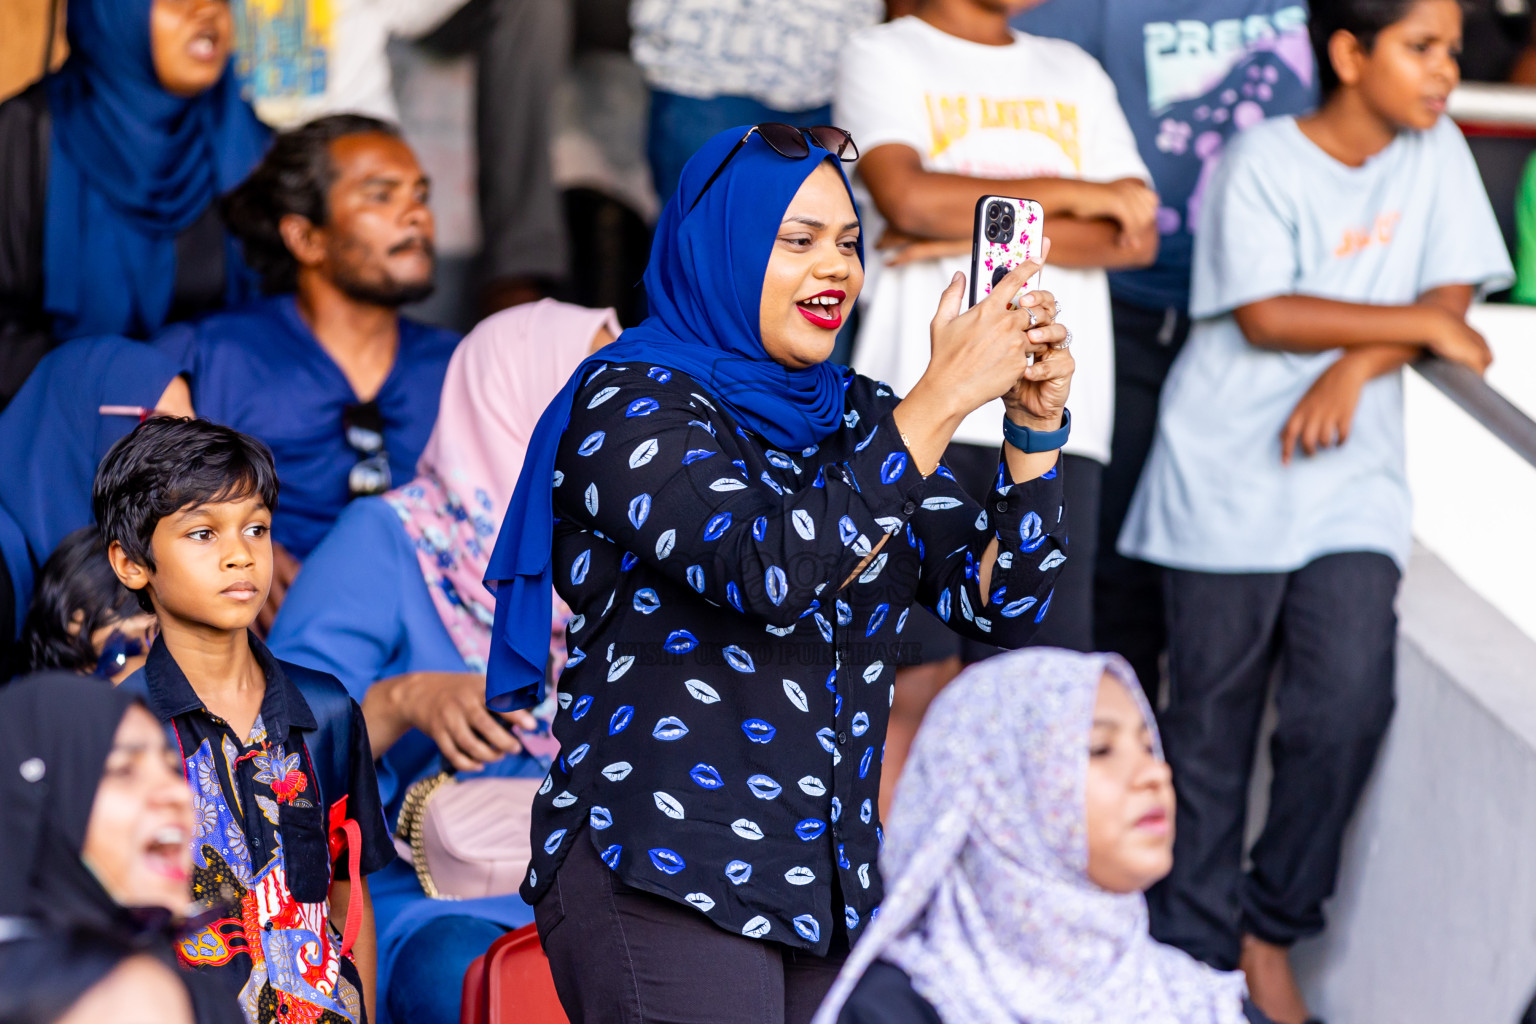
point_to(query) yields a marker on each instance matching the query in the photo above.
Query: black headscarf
(56, 730)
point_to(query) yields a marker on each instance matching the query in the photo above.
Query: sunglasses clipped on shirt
(364, 427)
(790, 143)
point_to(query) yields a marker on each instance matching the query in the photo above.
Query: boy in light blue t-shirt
(1332, 250)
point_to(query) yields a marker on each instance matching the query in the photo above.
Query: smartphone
(1007, 233)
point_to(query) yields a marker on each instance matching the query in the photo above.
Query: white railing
(1471, 449)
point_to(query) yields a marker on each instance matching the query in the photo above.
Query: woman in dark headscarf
(740, 528)
(78, 402)
(108, 174)
(95, 822)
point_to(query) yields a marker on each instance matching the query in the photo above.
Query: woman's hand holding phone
(982, 353)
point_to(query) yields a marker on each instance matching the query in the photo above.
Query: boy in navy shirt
(288, 821)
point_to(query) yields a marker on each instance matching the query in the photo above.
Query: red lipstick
(825, 314)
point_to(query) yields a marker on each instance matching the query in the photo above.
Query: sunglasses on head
(790, 143)
(364, 427)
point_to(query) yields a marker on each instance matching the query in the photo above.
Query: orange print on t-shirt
(952, 118)
(1358, 239)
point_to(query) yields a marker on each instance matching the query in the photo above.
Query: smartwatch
(1032, 441)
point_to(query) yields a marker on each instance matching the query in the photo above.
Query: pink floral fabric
(501, 377)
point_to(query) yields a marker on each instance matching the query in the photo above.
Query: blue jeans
(427, 982)
(681, 124)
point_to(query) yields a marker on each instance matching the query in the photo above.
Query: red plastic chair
(511, 984)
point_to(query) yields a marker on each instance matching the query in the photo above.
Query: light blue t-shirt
(1285, 218)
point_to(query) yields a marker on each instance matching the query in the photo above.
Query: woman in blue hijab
(740, 529)
(80, 400)
(111, 170)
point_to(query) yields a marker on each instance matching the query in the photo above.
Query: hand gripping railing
(1502, 418)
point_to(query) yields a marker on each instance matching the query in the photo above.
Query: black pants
(523, 50)
(620, 955)
(1331, 628)
(11, 645)
(1069, 623)
(1128, 594)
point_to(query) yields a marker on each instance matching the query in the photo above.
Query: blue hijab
(53, 435)
(704, 287)
(130, 167)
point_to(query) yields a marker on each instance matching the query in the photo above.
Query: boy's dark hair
(295, 176)
(1363, 19)
(167, 464)
(76, 578)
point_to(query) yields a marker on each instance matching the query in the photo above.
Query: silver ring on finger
(1064, 342)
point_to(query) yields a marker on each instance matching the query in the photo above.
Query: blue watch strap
(1032, 441)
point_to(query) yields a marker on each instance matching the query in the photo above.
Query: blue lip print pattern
(725, 708)
(763, 787)
(706, 776)
(680, 641)
(758, 731)
(667, 862)
(670, 728)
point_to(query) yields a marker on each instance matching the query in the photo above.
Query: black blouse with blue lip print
(738, 616)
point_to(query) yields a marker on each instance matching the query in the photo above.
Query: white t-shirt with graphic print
(1035, 108)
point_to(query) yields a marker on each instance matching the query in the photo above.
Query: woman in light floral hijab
(1035, 809)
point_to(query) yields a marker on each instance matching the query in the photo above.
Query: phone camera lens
(994, 211)
(992, 232)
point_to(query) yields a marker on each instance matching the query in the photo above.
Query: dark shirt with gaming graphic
(1190, 74)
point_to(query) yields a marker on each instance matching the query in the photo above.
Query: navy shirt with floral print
(738, 611)
(260, 848)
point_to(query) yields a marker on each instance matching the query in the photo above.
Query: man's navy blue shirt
(261, 370)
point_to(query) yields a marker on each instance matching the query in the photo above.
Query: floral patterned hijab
(501, 377)
(988, 908)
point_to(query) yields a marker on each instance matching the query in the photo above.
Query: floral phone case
(1007, 233)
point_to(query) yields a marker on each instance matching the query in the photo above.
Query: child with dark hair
(82, 618)
(1333, 249)
(288, 820)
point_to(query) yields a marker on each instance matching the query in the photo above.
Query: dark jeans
(425, 986)
(620, 955)
(1331, 629)
(681, 124)
(1128, 594)
(1069, 623)
(523, 49)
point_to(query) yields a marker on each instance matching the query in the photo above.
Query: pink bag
(467, 839)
